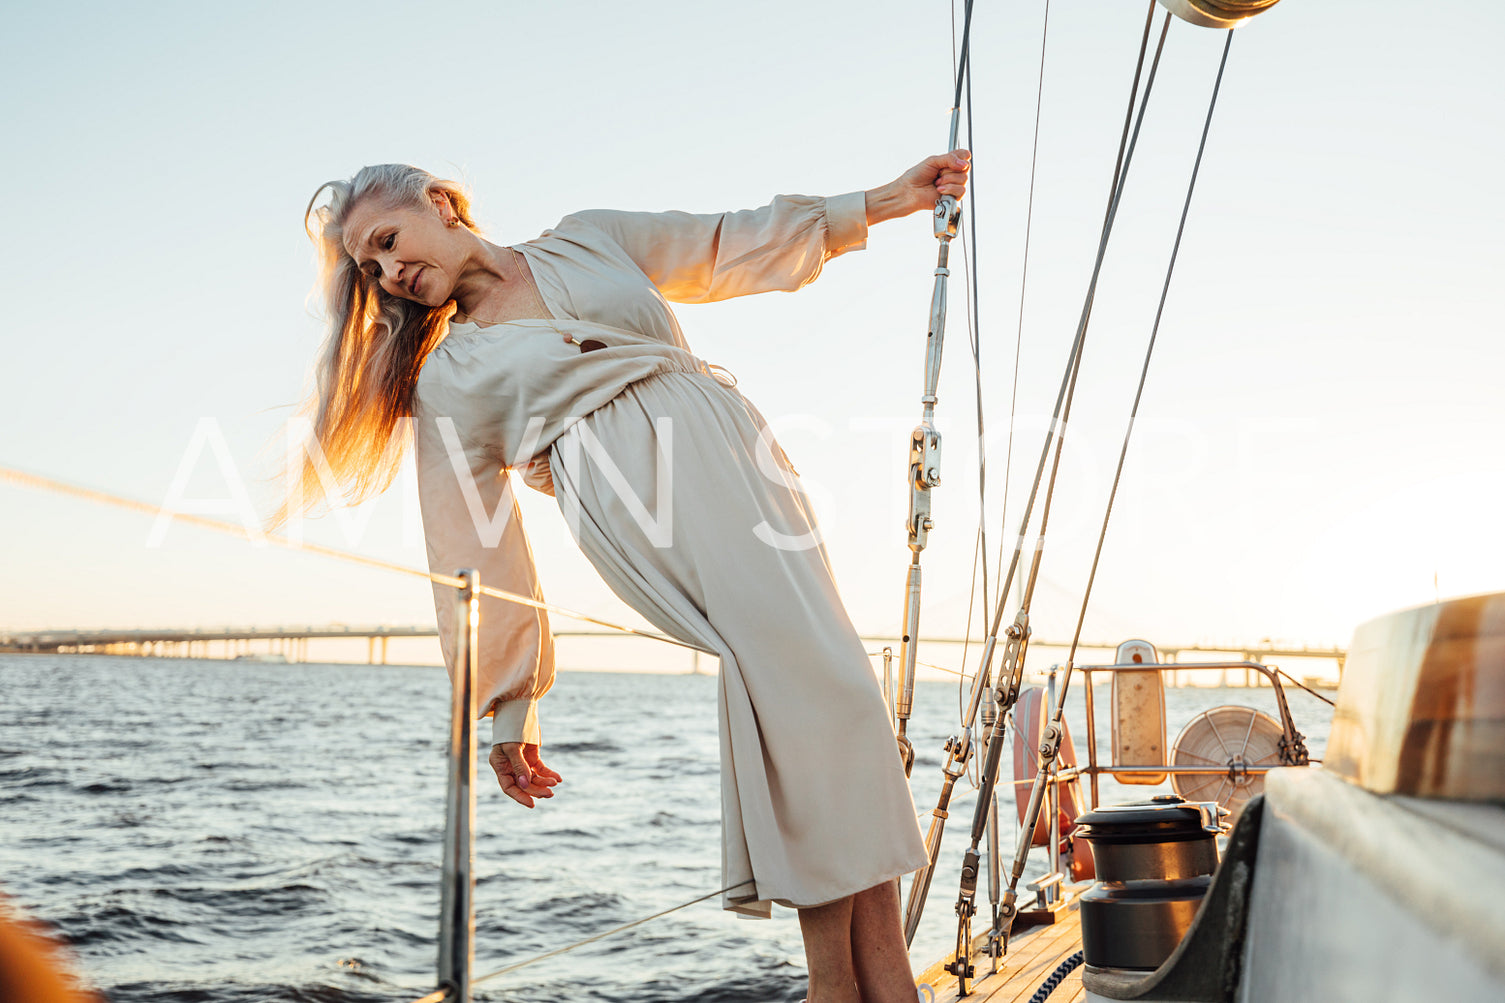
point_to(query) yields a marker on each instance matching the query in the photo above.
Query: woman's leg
(827, 930)
(879, 955)
(854, 949)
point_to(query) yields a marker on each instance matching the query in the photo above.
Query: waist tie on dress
(538, 474)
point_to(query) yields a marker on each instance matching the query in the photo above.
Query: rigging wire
(974, 776)
(968, 239)
(925, 441)
(974, 337)
(1050, 747)
(1125, 154)
(1145, 368)
(1029, 219)
(1120, 177)
(1018, 633)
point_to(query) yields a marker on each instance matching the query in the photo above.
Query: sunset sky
(1320, 440)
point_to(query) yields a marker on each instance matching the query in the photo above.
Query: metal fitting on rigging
(1050, 742)
(924, 474)
(906, 753)
(948, 215)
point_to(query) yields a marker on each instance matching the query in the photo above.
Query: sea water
(224, 831)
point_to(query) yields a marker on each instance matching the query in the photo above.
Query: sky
(1319, 441)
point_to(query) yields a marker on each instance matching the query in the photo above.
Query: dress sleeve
(471, 520)
(697, 258)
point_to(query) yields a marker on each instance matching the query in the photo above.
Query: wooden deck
(1032, 955)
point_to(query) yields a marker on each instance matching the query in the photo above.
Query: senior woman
(560, 357)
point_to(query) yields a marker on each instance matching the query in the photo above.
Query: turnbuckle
(924, 474)
(958, 749)
(1050, 743)
(1006, 694)
(961, 964)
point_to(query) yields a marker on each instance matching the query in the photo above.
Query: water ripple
(272, 833)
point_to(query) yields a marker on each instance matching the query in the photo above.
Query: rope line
(1300, 685)
(604, 934)
(220, 526)
(928, 665)
(1148, 354)
(440, 995)
(970, 791)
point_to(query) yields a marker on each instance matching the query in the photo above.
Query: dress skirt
(691, 513)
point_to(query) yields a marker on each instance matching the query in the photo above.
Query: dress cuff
(846, 222)
(515, 721)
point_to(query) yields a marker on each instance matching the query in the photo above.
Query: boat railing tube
(457, 924)
(1155, 860)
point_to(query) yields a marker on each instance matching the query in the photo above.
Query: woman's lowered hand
(521, 772)
(920, 186)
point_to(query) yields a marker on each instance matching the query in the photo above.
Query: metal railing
(1291, 738)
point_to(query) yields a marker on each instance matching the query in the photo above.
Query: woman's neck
(485, 284)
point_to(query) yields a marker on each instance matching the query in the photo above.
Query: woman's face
(410, 252)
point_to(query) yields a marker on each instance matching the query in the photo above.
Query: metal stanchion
(457, 923)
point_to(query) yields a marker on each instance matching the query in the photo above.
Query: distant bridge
(291, 643)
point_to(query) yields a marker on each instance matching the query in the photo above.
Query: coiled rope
(1058, 976)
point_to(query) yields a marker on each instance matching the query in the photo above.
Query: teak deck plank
(1032, 956)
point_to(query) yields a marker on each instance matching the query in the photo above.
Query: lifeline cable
(440, 995)
(220, 526)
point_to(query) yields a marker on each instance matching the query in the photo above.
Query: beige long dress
(689, 510)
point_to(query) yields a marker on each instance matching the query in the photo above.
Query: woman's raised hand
(521, 773)
(920, 186)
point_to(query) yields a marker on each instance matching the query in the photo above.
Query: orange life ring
(1030, 715)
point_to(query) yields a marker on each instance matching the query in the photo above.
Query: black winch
(1155, 861)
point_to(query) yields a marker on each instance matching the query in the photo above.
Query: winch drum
(1155, 860)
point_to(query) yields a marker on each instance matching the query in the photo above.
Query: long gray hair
(369, 362)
